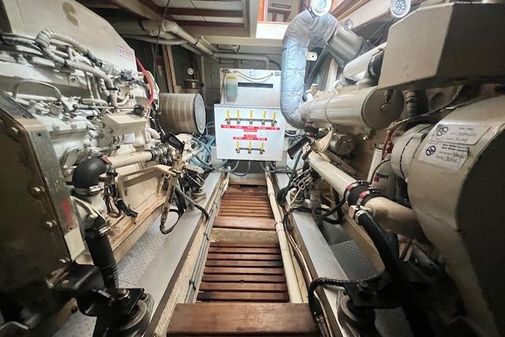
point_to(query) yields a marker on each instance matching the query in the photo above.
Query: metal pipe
(356, 69)
(337, 178)
(393, 216)
(155, 40)
(295, 295)
(353, 106)
(122, 160)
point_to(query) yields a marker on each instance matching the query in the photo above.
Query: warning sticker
(458, 133)
(451, 156)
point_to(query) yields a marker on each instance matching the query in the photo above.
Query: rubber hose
(414, 312)
(101, 253)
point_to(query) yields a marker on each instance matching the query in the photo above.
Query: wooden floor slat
(247, 271)
(229, 244)
(244, 264)
(243, 278)
(244, 223)
(251, 287)
(242, 296)
(242, 319)
(244, 250)
(249, 257)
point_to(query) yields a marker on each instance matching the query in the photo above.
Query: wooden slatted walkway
(238, 272)
(243, 273)
(242, 319)
(243, 289)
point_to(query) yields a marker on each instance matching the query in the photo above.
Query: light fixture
(399, 8)
(320, 7)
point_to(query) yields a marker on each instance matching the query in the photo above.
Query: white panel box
(249, 132)
(250, 87)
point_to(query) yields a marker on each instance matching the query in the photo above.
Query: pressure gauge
(400, 8)
(190, 71)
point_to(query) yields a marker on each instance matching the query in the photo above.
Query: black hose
(192, 202)
(414, 312)
(88, 171)
(101, 252)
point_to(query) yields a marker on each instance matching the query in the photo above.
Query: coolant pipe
(126, 159)
(295, 295)
(393, 216)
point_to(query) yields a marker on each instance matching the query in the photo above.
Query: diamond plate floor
(131, 268)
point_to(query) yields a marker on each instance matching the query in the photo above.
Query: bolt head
(13, 132)
(50, 224)
(37, 190)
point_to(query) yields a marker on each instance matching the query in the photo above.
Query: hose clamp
(365, 196)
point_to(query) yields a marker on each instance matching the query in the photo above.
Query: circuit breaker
(249, 133)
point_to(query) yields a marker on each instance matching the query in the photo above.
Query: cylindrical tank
(231, 87)
(182, 113)
(352, 106)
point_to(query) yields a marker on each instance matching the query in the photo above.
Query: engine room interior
(179, 168)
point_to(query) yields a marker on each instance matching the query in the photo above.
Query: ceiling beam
(210, 24)
(204, 12)
(138, 8)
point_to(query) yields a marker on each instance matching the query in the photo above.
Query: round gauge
(349, 25)
(320, 7)
(191, 71)
(400, 8)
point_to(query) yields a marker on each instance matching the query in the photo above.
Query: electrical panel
(245, 132)
(250, 87)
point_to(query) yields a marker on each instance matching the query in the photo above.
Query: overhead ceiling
(199, 17)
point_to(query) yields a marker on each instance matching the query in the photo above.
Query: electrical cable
(155, 53)
(192, 202)
(242, 174)
(150, 83)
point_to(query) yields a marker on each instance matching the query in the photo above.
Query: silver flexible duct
(305, 30)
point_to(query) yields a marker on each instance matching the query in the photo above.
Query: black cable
(315, 69)
(155, 53)
(192, 202)
(168, 230)
(414, 312)
(243, 174)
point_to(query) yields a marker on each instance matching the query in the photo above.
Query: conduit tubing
(295, 295)
(393, 216)
(171, 28)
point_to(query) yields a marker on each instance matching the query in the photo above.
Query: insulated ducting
(304, 31)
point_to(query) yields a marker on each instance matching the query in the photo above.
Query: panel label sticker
(466, 134)
(448, 155)
(249, 132)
